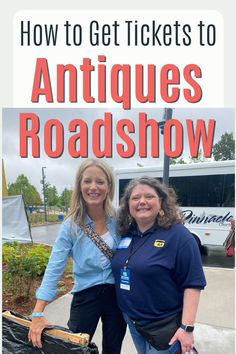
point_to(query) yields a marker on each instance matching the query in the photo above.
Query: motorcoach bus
(205, 193)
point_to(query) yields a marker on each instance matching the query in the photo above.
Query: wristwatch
(187, 328)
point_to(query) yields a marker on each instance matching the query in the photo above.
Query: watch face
(187, 328)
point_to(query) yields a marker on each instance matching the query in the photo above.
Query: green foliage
(39, 257)
(29, 192)
(51, 194)
(225, 148)
(181, 161)
(7, 250)
(65, 198)
(177, 161)
(200, 158)
(22, 264)
(32, 197)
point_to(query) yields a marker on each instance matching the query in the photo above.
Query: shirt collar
(135, 232)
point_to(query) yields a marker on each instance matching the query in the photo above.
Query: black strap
(102, 245)
(132, 251)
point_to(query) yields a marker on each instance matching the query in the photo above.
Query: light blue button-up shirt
(88, 269)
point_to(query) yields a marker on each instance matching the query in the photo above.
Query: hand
(36, 329)
(186, 340)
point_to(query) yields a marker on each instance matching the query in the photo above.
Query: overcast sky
(61, 171)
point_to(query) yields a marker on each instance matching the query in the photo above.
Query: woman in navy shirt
(157, 266)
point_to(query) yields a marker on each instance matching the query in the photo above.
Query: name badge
(125, 242)
(125, 279)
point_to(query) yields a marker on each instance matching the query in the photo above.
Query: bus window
(122, 184)
(199, 191)
(228, 194)
(208, 191)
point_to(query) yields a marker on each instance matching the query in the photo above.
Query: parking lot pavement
(217, 303)
(214, 333)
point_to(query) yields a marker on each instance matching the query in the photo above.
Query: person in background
(157, 266)
(229, 242)
(94, 294)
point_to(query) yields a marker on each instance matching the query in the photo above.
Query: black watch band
(187, 328)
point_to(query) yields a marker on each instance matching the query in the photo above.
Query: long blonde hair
(77, 203)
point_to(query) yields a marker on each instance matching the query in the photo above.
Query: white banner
(15, 226)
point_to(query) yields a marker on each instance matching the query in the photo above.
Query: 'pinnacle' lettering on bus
(191, 218)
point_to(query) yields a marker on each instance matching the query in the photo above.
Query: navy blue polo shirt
(162, 264)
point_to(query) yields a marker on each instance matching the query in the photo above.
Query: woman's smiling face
(94, 186)
(144, 205)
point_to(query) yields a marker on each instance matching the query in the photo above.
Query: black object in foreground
(15, 340)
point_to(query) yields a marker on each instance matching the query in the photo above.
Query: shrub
(22, 264)
(8, 250)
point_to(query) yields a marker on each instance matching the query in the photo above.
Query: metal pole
(44, 194)
(166, 167)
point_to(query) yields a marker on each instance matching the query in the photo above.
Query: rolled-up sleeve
(57, 261)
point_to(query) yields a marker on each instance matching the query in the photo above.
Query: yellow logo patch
(159, 243)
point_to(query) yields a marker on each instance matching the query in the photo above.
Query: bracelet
(37, 314)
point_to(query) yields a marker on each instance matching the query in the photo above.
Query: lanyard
(131, 251)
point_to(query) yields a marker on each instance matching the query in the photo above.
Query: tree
(181, 161)
(65, 198)
(29, 192)
(177, 161)
(225, 148)
(51, 194)
(199, 158)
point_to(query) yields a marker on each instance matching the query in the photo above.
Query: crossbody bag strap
(102, 245)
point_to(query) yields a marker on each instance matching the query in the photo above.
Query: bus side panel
(212, 225)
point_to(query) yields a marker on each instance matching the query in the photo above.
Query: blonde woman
(93, 292)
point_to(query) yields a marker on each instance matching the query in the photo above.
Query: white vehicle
(205, 193)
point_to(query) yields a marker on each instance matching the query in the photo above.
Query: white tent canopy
(15, 226)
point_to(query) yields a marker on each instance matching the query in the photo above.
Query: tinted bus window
(208, 191)
(198, 191)
(229, 191)
(122, 184)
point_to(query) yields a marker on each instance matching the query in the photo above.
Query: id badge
(125, 279)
